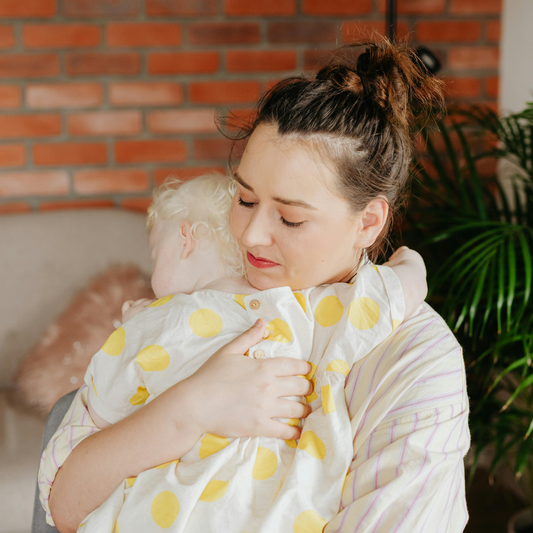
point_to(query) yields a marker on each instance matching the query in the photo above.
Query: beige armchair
(45, 258)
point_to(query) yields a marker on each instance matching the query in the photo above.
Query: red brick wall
(101, 99)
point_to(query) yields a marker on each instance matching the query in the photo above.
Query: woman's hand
(235, 396)
(130, 308)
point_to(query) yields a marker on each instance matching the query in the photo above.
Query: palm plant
(477, 240)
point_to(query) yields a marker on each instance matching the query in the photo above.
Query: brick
(143, 34)
(12, 155)
(260, 60)
(448, 31)
(212, 148)
(220, 92)
(27, 8)
(473, 58)
(99, 8)
(183, 62)
(492, 86)
(416, 7)
(210, 33)
(355, 30)
(34, 183)
(105, 123)
(76, 204)
(271, 83)
(316, 59)
(181, 8)
(476, 7)
(136, 204)
(7, 37)
(110, 180)
(182, 121)
(337, 7)
(60, 35)
(64, 96)
(77, 63)
(183, 173)
(14, 207)
(10, 97)
(301, 32)
(260, 7)
(361, 29)
(28, 65)
(462, 87)
(69, 153)
(145, 93)
(493, 30)
(22, 126)
(150, 151)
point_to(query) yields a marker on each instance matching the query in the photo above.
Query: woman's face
(293, 228)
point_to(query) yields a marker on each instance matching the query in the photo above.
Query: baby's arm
(97, 419)
(409, 266)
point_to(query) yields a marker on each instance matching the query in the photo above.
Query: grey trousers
(55, 417)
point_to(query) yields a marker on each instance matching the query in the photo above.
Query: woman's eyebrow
(239, 180)
(295, 203)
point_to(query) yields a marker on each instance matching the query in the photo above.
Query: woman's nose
(257, 232)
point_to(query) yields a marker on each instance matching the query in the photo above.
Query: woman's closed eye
(250, 205)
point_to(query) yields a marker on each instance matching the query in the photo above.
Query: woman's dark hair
(358, 113)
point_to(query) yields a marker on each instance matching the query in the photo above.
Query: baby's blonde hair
(205, 202)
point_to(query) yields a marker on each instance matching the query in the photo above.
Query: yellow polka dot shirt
(255, 484)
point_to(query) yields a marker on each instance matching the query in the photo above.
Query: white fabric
(408, 413)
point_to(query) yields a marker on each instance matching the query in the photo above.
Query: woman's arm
(409, 414)
(244, 395)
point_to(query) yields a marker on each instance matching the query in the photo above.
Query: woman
(322, 172)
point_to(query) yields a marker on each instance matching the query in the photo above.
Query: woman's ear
(373, 220)
(186, 238)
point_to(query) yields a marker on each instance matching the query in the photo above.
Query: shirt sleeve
(115, 377)
(75, 427)
(409, 414)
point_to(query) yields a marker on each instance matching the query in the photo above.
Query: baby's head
(190, 237)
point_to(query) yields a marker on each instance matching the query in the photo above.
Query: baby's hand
(405, 255)
(131, 308)
(411, 271)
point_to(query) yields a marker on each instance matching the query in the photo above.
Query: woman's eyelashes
(245, 204)
(249, 205)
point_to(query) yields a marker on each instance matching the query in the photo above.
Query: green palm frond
(475, 233)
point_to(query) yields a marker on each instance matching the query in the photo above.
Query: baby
(241, 485)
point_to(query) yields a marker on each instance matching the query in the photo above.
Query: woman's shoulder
(419, 366)
(425, 321)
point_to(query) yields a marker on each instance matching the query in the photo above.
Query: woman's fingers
(126, 305)
(292, 409)
(279, 430)
(287, 366)
(293, 386)
(241, 344)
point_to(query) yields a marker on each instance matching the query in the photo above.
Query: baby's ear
(186, 238)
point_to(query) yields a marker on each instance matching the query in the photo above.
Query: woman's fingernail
(257, 323)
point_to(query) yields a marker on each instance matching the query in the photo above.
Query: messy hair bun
(357, 111)
(392, 76)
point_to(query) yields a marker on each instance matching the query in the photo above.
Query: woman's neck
(231, 285)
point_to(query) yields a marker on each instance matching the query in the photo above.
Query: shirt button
(259, 354)
(266, 334)
(254, 304)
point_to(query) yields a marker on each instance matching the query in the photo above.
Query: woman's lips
(259, 262)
